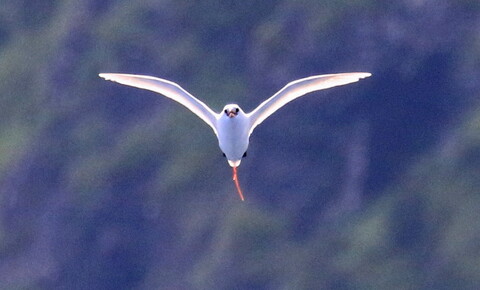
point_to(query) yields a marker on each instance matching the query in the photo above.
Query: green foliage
(104, 186)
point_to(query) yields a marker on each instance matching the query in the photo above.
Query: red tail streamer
(235, 179)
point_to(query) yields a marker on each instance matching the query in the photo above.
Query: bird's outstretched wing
(299, 88)
(168, 89)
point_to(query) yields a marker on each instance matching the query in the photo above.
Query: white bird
(232, 125)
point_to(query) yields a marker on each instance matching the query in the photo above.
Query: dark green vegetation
(372, 185)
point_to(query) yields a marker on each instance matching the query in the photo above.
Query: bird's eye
(226, 111)
(236, 110)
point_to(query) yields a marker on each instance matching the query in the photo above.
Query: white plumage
(233, 126)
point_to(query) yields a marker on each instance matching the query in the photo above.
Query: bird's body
(234, 139)
(233, 126)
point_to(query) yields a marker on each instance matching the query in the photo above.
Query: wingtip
(107, 76)
(366, 75)
(104, 75)
(355, 76)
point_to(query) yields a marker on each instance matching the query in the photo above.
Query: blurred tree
(369, 186)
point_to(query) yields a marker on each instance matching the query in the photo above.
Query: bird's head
(232, 110)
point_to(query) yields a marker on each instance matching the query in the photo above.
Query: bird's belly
(233, 139)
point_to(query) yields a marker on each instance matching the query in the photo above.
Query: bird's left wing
(168, 89)
(297, 89)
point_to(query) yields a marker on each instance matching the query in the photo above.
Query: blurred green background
(374, 185)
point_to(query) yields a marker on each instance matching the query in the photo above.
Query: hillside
(368, 186)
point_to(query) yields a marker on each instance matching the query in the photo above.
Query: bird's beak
(231, 114)
(234, 163)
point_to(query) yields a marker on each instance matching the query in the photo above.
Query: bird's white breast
(233, 136)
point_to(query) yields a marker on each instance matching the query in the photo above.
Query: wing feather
(297, 89)
(168, 89)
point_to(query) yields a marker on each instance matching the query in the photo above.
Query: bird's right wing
(297, 89)
(168, 89)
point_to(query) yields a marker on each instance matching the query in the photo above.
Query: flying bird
(232, 125)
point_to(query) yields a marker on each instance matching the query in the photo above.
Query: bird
(232, 125)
